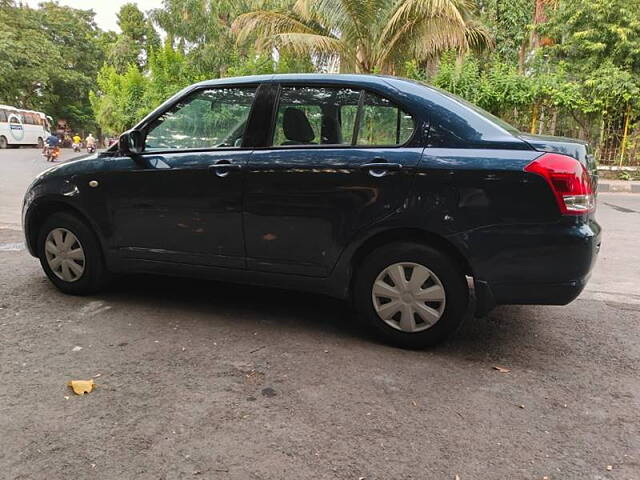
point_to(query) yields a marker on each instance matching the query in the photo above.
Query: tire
(3, 142)
(444, 288)
(40, 143)
(93, 275)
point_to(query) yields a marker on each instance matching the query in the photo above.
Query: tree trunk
(522, 55)
(625, 133)
(541, 123)
(534, 118)
(554, 121)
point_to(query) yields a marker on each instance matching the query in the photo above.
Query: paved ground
(203, 380)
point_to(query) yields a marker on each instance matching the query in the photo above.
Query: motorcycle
(76, 147)
(52, 153)
(91, 148)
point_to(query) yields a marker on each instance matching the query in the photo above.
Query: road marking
(11, 247)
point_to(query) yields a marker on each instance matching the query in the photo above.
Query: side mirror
(131, 142)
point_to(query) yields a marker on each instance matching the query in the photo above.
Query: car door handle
(380, 168)
(224, 167)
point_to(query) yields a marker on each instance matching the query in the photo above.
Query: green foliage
(119, 101)
(49, 59)
(497, 88)
(169, 72)
(510, 21)
(365, 36)
(595, 32)
(135, 43)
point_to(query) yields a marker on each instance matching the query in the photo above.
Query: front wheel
(412, 295)
(70, 255)
(3, 142)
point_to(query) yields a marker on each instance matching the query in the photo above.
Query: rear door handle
(380, 168)
(224, 168)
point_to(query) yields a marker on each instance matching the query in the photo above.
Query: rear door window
(314, 116)
(339, 116)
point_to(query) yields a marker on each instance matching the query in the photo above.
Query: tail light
(569, 182)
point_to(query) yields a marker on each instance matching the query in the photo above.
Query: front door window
(208, 119)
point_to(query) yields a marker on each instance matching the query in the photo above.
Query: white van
(23, 127)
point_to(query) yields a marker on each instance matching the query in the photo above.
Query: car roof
(384, 82)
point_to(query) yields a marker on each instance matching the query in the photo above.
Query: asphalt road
(205, 380)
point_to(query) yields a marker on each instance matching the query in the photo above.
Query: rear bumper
(543, 265)
(538, 293)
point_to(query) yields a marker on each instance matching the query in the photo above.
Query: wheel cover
(408, 297)
(64, 254)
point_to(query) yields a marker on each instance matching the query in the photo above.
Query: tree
(135, 43)
(201, 29)
(367, 35)
(590, 33)
(119, 100)
(49, 61)
(509, 20)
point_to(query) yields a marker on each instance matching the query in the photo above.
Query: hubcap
(64, 254)
(408, 297)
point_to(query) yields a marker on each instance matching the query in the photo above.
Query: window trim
(363, 93)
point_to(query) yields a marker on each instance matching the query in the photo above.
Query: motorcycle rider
(51, 142)
(91, 143)
(76, 142)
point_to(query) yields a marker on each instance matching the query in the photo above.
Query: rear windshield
(480, 111)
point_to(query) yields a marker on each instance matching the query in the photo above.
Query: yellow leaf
(501, 369)
(80, 387)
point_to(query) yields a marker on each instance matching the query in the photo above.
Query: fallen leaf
(97, 375)
(501, 369)
(521, 406)
(80, 387)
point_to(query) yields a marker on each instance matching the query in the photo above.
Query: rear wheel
(3, 142)
(70, 255)
(412, 295)
(40, 143)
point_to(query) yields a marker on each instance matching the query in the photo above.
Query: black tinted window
(315, 116)
(213, 118)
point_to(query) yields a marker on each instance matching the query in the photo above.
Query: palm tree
(367, 35)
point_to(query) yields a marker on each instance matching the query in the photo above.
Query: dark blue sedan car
(375, 189)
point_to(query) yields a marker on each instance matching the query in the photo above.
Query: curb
(626, 187)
